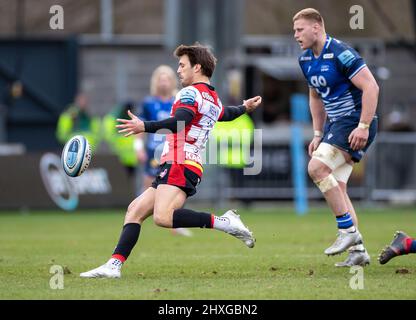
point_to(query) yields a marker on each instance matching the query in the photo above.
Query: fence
(392, 168)
(387, 173)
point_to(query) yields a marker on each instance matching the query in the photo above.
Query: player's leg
(322, 175)
(150, 171)
(173, 200)
(325, 160)
(348, 201)
(401, 244)
(168, 198)
(168, 213)
(357, 254)
(138, 210)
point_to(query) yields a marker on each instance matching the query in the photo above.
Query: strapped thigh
(329, 155)
(343, 172)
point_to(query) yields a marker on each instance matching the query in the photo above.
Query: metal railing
(392, 168)
(387, 173)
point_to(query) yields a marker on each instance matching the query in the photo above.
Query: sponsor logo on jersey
(207, 96)
(305, 58)
(346, 58)
(324, 68)
(163, 173)
(328, 56)
(193, 157)
(188, 97)
(214, 111)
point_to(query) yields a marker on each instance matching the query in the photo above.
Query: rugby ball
(76, 156)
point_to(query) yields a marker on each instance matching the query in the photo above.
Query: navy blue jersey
(331, 73)
(155, 109)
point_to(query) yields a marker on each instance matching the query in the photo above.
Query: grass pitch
(286, 263)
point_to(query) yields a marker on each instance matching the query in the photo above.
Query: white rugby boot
(112, 269)
(237, 229)
(344, 240)
(355, 258)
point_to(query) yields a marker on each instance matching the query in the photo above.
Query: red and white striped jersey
(186, 146)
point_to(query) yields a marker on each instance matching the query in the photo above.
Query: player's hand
(314, 145)
(252, 103)
(129, 127)
(358, 138)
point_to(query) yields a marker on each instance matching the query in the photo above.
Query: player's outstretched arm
(132, 126)
(231, 113)
(252, 103)
(181, 118)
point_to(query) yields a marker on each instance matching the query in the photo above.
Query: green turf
(287, 262)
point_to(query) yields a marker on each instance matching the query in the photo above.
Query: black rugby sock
(186, 218)
(127, 241)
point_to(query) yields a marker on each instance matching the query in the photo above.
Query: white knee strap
(343, 172)
(329, 155)
(327, 183)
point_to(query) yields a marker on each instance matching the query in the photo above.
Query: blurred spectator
(77, 120)
(401, 169)
(155, 107)
(120, 145)
(398, 121)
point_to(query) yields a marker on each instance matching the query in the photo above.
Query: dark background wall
(38, 78)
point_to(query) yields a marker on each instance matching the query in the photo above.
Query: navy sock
(127, 241)
(344, 221)
(186, 218)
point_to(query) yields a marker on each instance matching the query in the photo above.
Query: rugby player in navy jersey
(343, 97)
(194, 113)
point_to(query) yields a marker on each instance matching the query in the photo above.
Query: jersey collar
(326, 45)
(208, 85)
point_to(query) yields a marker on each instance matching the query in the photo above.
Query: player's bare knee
(162, 218)
(137, 212)
(317, 170)
(131, 216)
(159, 221)
(325, 160)
(312, 170)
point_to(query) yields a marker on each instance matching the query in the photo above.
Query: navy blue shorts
(336, 133)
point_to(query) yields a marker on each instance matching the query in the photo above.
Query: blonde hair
(163, 69)
(309, 14)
